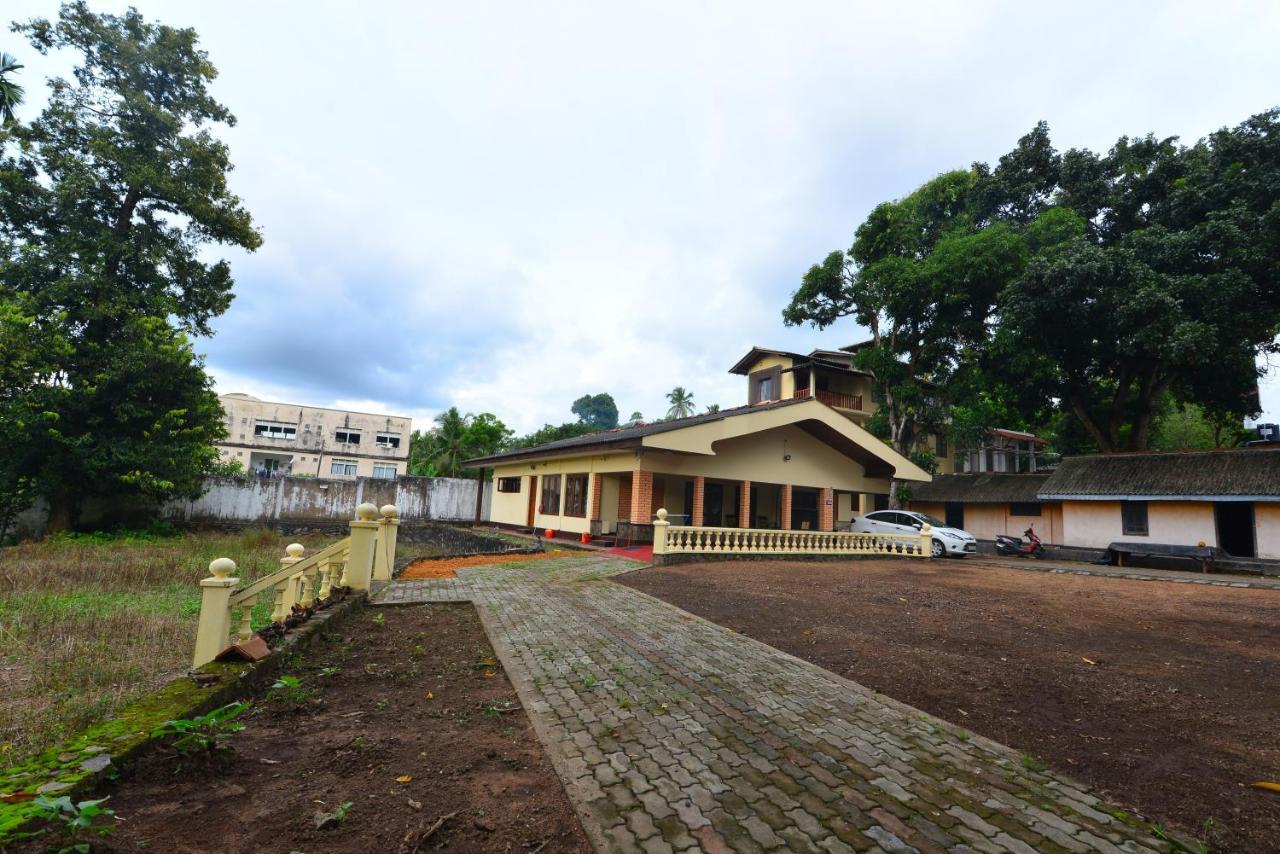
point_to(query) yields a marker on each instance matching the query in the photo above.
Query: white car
(947, 542)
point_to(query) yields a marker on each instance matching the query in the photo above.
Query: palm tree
(11, 94)
(448, 446)
(713, 408)
(681, 403)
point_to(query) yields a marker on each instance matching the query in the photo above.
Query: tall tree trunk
(1140, 434)
(1095, 432)
(62, 511)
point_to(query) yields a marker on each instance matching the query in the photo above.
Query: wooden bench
(1205, 556)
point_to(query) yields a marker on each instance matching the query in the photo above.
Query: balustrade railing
(299, 585)
(684, 539)
(832, 398)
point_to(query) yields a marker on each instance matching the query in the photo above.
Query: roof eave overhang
(1054, 496)
(813, 416)
(584, 450)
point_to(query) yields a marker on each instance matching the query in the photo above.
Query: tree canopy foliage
(455, 438)
(1089, 284)
(109, 201)
(597, 411)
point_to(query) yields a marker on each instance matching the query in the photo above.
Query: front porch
(634, 499)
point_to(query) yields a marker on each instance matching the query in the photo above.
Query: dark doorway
(804, 509)
(688, 502)
(713, 505)
(1235, 527)
(955, 514)
(880, 501)
(533, 497)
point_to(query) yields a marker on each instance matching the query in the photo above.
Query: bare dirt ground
(405, 715)
(1164, 696)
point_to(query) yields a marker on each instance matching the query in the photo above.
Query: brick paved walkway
(672, 733)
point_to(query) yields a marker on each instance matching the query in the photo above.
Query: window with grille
(550, 503)
(344, 468)
(384, 472)
(387, 440)
(347, 437)
(508, 484)
(575, 495)
(1133, 518)
(1024, 508)
(274, 430)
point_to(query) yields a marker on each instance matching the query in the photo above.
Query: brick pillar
(826, 509)
(624, 497)
(696, 512)
(597, 491)
(744, 505)
(786, 507)
(641, 496)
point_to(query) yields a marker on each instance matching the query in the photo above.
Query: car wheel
(938, 550)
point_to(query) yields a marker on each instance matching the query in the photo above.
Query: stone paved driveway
(672, 733)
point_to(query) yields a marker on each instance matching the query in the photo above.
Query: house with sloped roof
(1226, 498)
(781, 462)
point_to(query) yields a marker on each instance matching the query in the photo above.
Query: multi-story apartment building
(272, 439)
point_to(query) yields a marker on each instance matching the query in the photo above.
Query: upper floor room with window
(827, 375)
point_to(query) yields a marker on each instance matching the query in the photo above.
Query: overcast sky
(505, 206)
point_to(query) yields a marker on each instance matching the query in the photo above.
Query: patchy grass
(88, 623)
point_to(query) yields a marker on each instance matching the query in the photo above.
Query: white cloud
(503, 206)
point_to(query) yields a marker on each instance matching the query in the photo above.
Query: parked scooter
(1007, 545)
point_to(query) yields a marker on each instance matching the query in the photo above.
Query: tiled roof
(627, 435)
(1230, 473)
(981, 488)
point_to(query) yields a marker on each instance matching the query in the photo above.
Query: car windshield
(937, 523)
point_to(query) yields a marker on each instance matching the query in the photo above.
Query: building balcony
(833, 398)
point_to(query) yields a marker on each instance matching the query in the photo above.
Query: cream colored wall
(759, 457)
(1095, 524)
(787, 385)
(846, 506)
(1266, 519)
(985, 521)
(510, 507)
(708, 439)
(241, 413)
(509, 512)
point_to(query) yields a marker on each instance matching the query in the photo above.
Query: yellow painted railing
(687, 539)
(368, 555)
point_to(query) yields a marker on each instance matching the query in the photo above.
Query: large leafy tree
(596, 410)
(1171, 282)
(109, 201)
(455, 438)
(922, 276)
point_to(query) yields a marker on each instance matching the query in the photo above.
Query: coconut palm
(447, 443)
(11, 94)
(681, 403)
(713, 408)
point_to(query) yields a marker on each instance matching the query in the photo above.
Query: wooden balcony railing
(685, 539)
(833, 398)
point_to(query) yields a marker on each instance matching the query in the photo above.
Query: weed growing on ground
(1031, 763)
(76, 822)
(208, 732)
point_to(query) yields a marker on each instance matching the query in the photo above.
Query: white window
(347, 437)
(387, 440)
(343, 468)
(274, 430)
(384, 472)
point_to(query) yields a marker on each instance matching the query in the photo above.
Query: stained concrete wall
(297, 498)
(286, 499)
